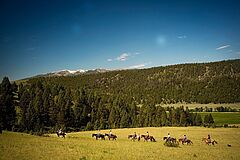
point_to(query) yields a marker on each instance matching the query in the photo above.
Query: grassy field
(81, 145)
(221, 118)
(209, 105)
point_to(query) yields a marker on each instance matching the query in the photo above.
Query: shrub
(171, 144)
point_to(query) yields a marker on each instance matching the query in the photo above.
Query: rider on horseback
(134, 135)
(99, 133)
(60, 131)
(184, 138)
(168, 137)
(147, 135)
(209, 139)
(110, 132)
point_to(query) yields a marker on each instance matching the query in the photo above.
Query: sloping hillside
(217, 82)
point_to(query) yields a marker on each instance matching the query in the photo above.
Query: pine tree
(78, 111)
(174, 117)
(206, 119)
(183, 119)
(164, 118)
(38, 110)
(68, 111)
(124, 120)
(112, 118)
(198, 120)
(210, 119)
(7, 108)
(133, 114)
(61, 104)
(47, 104)
(23, 106)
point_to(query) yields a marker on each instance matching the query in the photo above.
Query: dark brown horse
(148, 138)
(170, 139)
(101, 136)
(130, 136)
(133, 137)
(114, 137)
(188, 141)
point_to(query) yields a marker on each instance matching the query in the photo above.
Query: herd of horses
(102, 136)
(146, 138)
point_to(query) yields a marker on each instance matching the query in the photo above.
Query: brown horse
(188, 141)
(114, 137)
(171, 139)
(148, 138)
(101, 136)
(134, 137)
(208, 141)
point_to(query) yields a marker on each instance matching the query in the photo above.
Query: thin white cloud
(222, 47)
(137, 66)
(182, 37)
(123, 57)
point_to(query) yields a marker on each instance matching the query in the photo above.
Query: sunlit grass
(81, 145)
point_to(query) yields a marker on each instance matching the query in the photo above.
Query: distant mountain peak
(67, 72)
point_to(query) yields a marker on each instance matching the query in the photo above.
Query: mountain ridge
(67, 72)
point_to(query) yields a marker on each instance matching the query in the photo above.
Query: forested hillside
(118, 99)
(217, 82)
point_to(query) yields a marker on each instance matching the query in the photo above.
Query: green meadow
(199, 105)
(81, 145)
(221, 118)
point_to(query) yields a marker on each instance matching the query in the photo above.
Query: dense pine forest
(118, 99)
(217, 82)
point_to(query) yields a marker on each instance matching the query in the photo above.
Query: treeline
(40, 106)
(217, 82)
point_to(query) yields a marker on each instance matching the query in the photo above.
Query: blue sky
(41, 36)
